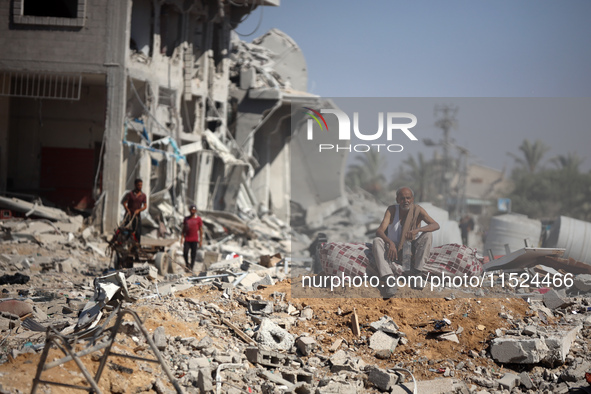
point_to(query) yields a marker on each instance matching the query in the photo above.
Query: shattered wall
(168, 94)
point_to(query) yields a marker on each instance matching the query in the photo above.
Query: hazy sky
(452, 48)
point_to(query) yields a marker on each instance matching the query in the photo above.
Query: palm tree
(532, 153)
(570, 162)
(367, 174)
(420, 172)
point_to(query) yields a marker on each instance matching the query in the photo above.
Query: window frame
(18, 11)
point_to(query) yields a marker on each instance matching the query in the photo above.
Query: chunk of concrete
(576, 372)
(509, 380)
(559, 344)
(382, 341)
(340, 361)
(518, 350)
(204, 381)
(274, 337)
(385, 324)
(383, 380)
(159, 338)
(526, 381)
(554, 300)
(435, 386)
(307, 313)
(197, 363)
(582, 282)
(306, 345)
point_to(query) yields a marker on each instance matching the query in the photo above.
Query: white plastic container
(512, 229)
(574, 236)
(448, 233)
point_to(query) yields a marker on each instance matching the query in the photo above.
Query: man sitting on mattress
(402, 223)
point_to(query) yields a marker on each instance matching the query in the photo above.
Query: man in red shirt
(192, 235)
(134, 203)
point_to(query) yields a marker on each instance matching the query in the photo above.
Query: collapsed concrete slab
(273, 337)
(518, 350)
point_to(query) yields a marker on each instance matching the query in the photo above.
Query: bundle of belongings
(356, 259)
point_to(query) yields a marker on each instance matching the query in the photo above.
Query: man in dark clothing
(192, 235)
(466, 225)
(134, 203)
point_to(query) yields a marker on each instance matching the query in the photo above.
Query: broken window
(68, 13)
(55, 8)
(170, 29)
(142, 21)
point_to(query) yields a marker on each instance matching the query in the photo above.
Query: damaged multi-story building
(96, 93)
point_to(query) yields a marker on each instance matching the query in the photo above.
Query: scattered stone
(273, 336)
(382, 341)
(385, 324)
(554, 300)
(204, 381)
(508, 381)
(382, 380)
(583, 282)
(518, 350)
(159, 338)
(307, 313)
(526, 380)
(306, 345)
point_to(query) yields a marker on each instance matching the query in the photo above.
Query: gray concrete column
(119, 21)
(4, 121)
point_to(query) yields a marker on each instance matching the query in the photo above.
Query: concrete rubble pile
(266, 342)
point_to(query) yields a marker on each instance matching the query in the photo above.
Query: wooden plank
(355, 324)
(239, 332)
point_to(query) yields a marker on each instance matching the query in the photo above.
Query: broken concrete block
(264, 281)
(307, 313)
(267, 358)
(257, 307)
(199, 362)
(382, 341)
(306, 345)
(518, 350)
(250, 279)
(582, 282)
(385, 324)
(554, 300)
(159, 338)
(449, 336)
(382, 380)
(576, 372)
(342, 362)
(559, 344)
(339, 388)
(273, 336)
(530, 330)
(508, 381)
(152, 273)
(204, 381)
(19, 308)
(297, 376)
(526, 380)
(435, 386)
(204, 343)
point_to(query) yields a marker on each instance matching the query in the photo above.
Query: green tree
(367, 173)
(570, 162)
(532, 154)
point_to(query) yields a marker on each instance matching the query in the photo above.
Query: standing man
(192, 235)
(466, 225)
(134, 203)
(402, 222)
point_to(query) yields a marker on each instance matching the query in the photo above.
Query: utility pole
(445, 123)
